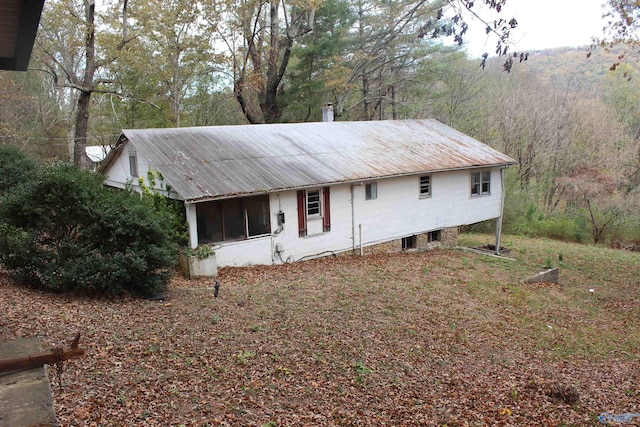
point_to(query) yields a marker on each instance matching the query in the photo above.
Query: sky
(542, 24)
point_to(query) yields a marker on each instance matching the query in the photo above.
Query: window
(410, 242)
(425, 186)
(480, 183)
(133, 162)
(371, 191)
(232, 219)
(314, 205)
(434, 236)
(257, 213)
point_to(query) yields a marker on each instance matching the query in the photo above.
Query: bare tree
(595, 191)
(67, 41)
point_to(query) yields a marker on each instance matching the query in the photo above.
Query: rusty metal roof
(214, 162)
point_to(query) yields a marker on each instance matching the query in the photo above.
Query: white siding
(119, 173)
(397, 212)
(314, 244)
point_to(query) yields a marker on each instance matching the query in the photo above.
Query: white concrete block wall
(256, 250)
(314, 244)
(397, 212)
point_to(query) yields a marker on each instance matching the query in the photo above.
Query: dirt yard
(435, 338)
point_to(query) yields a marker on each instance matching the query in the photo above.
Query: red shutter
(302, 213)
(326, 218)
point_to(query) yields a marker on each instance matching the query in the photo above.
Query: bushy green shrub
(63, 231)
(15, 167)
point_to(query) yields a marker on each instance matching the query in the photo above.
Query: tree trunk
(365, 96)
(394, 102)
(239, 91)
(80, 158)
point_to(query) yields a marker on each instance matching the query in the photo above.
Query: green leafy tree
(318, 68)
(63, 231)
(210, 105)
(176, 35)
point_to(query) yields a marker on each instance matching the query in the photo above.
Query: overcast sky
(543, 24)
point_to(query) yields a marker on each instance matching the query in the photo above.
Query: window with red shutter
(314, 205)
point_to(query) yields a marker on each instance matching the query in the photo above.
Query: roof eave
(349, 181)
(29, 18)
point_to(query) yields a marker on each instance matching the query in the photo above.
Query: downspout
(353, 220)
(499, 220)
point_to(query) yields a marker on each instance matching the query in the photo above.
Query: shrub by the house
(15, 167)
(63, 231)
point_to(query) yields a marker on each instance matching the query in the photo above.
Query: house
(268, 194)
(97, 154)
(18, 27)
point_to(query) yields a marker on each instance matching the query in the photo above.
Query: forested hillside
(572, 124)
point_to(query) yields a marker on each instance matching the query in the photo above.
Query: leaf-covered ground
(444, 337)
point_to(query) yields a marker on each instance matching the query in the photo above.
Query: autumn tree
(622, 92)
(175, 35)
(532, 120)
(15, 109)
(260, 35)
(551, 129)
(388, 53)
(622, 28)
(455, 91)
(598, 193)
(73, 52)
(387, 44)
(31, 116)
